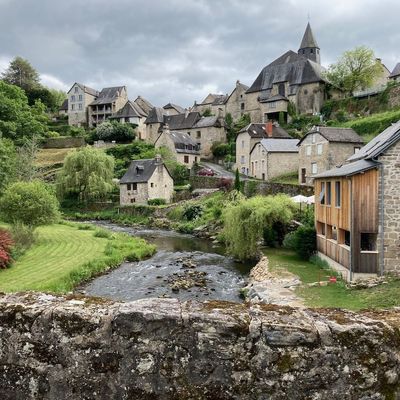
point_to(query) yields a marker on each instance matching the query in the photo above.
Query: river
(184, 267)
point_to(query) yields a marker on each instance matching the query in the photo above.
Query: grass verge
(64, 256)
(333, 295)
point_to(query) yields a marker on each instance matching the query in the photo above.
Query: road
(218, 169)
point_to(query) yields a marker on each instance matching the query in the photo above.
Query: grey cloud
(178, 50)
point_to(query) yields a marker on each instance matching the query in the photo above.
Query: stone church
(295, 78)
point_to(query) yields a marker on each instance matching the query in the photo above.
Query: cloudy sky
(180, 50)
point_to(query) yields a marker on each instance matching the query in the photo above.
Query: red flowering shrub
(5, 248)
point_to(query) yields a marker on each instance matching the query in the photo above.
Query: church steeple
(309, 47)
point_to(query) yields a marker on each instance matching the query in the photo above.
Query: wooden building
(357, 209)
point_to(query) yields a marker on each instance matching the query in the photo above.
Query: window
(322, 193)
(272, 104)
(242, 159)
(186, 159)
(303, 175)
(188, 133)
(73, 97)
(262, 165)
(347, 238)
(311, 51)
(242, 106)
(319, 149)
(368, 241)
(242, 144)
(328, 193)
(314, 168)
(72, 107)
(133, 200)
(198, 134)
(356, 149)
(151, 184)
(313, 138)
(281, 89)
(195, 159)
(80, 97)
(263, 177)
(338, 194)
(80, 106)
(308, 150)
(76, 89)
(134, 186)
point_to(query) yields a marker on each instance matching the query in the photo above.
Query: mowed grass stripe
(60, 249)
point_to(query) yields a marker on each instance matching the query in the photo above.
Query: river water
(201, 267)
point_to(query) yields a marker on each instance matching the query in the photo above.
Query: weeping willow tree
(87, 174)
(245, 221)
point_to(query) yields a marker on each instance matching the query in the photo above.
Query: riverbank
(65, 255)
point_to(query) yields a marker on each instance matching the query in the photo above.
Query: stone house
(213, 102)
(395, 74)
(131, 113)
(323, 148)
(203, 130)
(295, 78)
(274, 157)
(236, 102)
(108, 102)
(184, 148)
(251, 135)
(173, 109)
(146, 180)
(79, 98)
(357, 212)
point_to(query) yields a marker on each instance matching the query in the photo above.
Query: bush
(185, 227)
(180, 174)
(109, 131)
(29, 203)
(5, 248)
(303, 241)
(192, 211)
(156, 202)
(220, 149)
(102, 233)
(224, 183)
(24, 237)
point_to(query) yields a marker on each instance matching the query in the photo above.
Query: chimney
(269, 128)
(158, 159)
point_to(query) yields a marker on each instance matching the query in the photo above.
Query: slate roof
(379, 144)
(175, 107)
(205, 122)
(290, 67)
(276, 97)
(217, 99)
(130, 109)
(139, 171)
(108, 95)
(396, 71)
(182, 121)
(86, 89)
(258, 131)
(273, 145)
(64, 105)
(183, 142)
(308, 39)
(348, 169)
(156, 115)
(332, 134)
(144, 104)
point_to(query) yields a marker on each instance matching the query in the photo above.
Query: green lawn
(333, 295)
(64, 256)
(291, 178)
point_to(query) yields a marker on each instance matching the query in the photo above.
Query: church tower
(309, 47)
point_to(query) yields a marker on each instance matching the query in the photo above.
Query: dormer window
(76, 89)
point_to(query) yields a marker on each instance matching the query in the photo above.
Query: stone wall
(394, 97)
(55, 348)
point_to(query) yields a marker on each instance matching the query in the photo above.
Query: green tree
(355, 70)
(21, 73)
(29, 203)
(237, 185)
(87, 174)
(8, 161)
(207, 112)
(245, 221)
(115, 131)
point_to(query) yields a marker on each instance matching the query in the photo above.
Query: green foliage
(237, 185)
(207, 112)
(245, 221)
(303, 241)
(8, 163)
(250, 188)
(179, 172)
(292, 111)
(356, 70)
(281, 119)
(17, 118)
(29, 203)
(24, 238)
(102, 233)
(109, 131)
(220, 149)
(192, 211)
(21, 73)
(185, 227)
(87, 173)
(156, 202)
(304, 122)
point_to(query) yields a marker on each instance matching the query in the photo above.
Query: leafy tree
(245, 221)
(87, 173)
(303, 241)
(17, 118)
(207, 112)
(220, 149)
(237, 185)
(21, 73)
(51, 98)
(115, 131)
(356, 69)
(8, 161)
(29, 203)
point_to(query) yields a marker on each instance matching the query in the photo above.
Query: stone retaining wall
(82, 348)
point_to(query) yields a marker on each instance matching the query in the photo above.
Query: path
(218, 169)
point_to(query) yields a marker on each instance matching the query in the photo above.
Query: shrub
(110, 131)
(29, 203)
(24, 237)
(192, 211)
(303, 241)
(102, 233)
(224, 183)
(185, 227)
(156, 202)
(180, 174)
(220, 149)
(5, 248)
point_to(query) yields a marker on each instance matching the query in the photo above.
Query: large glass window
(338, 194)
(322, 193)
(328, 193)
(368, 241)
